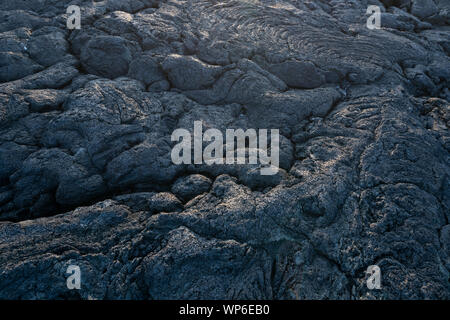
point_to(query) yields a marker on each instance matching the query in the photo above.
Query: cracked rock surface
(86, 177)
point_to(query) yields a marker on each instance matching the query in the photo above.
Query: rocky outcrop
(86, 177)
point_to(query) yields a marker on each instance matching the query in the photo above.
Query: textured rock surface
(86, 176)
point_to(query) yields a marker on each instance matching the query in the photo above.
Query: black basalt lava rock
(86, 176)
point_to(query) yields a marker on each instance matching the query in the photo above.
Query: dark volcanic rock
(47, 47)
(423, 8)
(15, 66)
(106, 56)
(86, 176)
(298, 74)
(188, 187)
(189, 73)
(146, 69)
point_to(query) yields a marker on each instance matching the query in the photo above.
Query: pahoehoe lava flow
(86, 177)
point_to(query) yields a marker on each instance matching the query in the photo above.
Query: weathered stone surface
(188, 73)
(423, 8)
(86, 177)
(193, 185)
(147, 70)
(15, 66)
(298, 74)
(106, 56)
